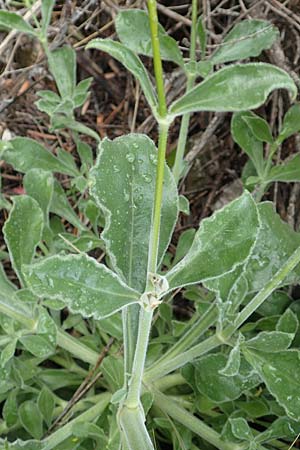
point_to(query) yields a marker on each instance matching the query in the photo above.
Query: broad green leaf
(286, 171)
(222, 243)
(247, 38)
(13, 21)
(47, 7)
(220, 388)
(291, 123)
(85, 286)
(245, 138)
(42, 342)
(46, 404)
(123, 185)
(133, 30)
(281, 373)
(241, 429)
(270, 341)
(276, 242)
(62, 64)
(234, 88)
(61, 206)
(132, 63)
(288, 322)
(10, 409)
(38, 184)
(31, 419)
(25, 154)
(23, 231)
(259, 127)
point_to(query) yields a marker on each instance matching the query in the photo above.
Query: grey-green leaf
(23, 231)
(133, 30)
(244, 137)
(62, 63)
(280, 372)
(123, 185)
(25, 154)
(61, 206)
(46, 404)
(222, 243)
(31, 419)
(247, 38)
(132, 63)
(38, 184)
(235, 88)
(47, 7)
(81, 283)
(287, 172)
(13, 21)
(288, 322)
(220, 388)
(259, 127)
(270, 341)
(291, 123)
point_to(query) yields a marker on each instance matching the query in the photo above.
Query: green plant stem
(264, 185)
(187, 340)
(185, 121)
(172, 409)
(158, 70)
(133, 397)
(131, 416)
(52, 441)
(223, 337)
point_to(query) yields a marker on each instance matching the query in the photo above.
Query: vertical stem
(133, 398)
(158, 71)
(185, 121)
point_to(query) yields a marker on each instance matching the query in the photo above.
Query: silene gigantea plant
(218, 381)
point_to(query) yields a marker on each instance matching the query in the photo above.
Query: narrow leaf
(287, 172)
(247, 38)
(202, 36)
(244, 137)
(132, 63)
(31, 419)
(123, 185)
(82, 284)
(25, 154)
(62, 63)
(280, 372)
(291, 123)
(259, 127)
(13, 21)
(47, 7)
(39, 185)
(133, 30)
(222, 243)
(270, 341)
(23, 231)
(235, 88)
(61, 206)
